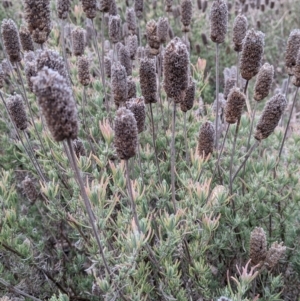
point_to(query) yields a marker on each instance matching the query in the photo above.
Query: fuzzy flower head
(296, 71)
(252, 53)
(234, 105)
(131, 85)
(148, 80)
(188, 101)
(119, 83)
(137, 107)
(206, 139)
(29, 189)
(263, 82)
(126, 134)
(176, 69)
(89, 8)
(132, 44)
(78, 41)
(258, 245)
(131, 20)
(83, 66)
(11, 40)
(26, 40)
(17, 111)
(292, 48)
(153, 41)
(114, 29)
(63, 8)
(139, 8)
(124, 58)
(270, 117)
(162, 30)
(57, 104)
(239, 31)
(218, 21)
(186, 14)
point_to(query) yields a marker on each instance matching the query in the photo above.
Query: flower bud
(83, 66)
(258, 246)
(78, 41)
(137, 107)
(263, 82)
(17, 112)
(234, 105)
(26, 40)
(206, 139)
(218, 21)
(148, 80)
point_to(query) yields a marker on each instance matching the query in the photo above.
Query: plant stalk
(217, 97)
(140, 162)
(185, 140)
(173, 157)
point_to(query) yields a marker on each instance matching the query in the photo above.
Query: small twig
(140, 162)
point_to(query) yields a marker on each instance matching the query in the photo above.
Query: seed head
(139, 8)
(292, 49)
(222, 103)
(52, 60)
(131, 20)
(263, 82)
(56, 101)
(63, 8)
(162, 30)
(239, 31)
(124, 57)
(252, 53)
(153, 42)
(206, 139)
(17, 112)
(78, 41)
(148, 80)
(258, 246)
(270, 116)
(83, 66)
(176, 69)
(90, 8)
(113, 10)
(119, 83)
(37, 16)
(2, 77)
(229, 84)
(126, 134)
(11, 40)
(107, 66)
(26, 40)
(189, 98)
(30, 71)
(169, 4)
(218, 21)
(131, 86)
(234, 105)
(204, 39)
(79, 148)
(105, 5)
(296, 71)
(137, 107)
(275, 253)
(186, 14)
(132, 44)
(114, 28)
(29, 189)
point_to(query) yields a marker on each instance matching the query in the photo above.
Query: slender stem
(154, 144)
(29, 107)
(185, 140)
(238, 69)
(32, 153)
(87, 204)
(246, 87)
(221, 151)
(140, 162)
(217, 96)
(232, 154)
(173, 157)
(16, 290)
(287, 126)
(139, 30)
(83, 103)
(64, 49)
(251, 127)
(252, 148)
(158, 66)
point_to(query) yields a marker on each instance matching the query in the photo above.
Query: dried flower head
(83, 66)
(137, 107)
(131, 86)
(206, 139)
(186, 14)
(124, 57)
(239, 31)
(105, 6)
(52, 60)
(107, 66)
(188, 101)
(29, 189)
(153, 42)
(90, 8)
(2, 77)
(258, 246)
(26, 40)
(6, 67)
(169, 4)
(131, 20)
(37, 16)
(119, 83)
(30, 71)
(296, 71)
(17, 112)
(162, 30)
(263, 82)
(275, 253)
(176, 69)
(139, 8)
(126, 134)
(252, 53)
(78, 41)
(63, 8)
(234, 105)
(270, 116)
(229, 84)
(148, 80)
(56, 101)
(218, 21)
(114, 28)
(79, 148)
(292, 48)
(204, 39)
(11, 40)
(132, 44)
(113, 10)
